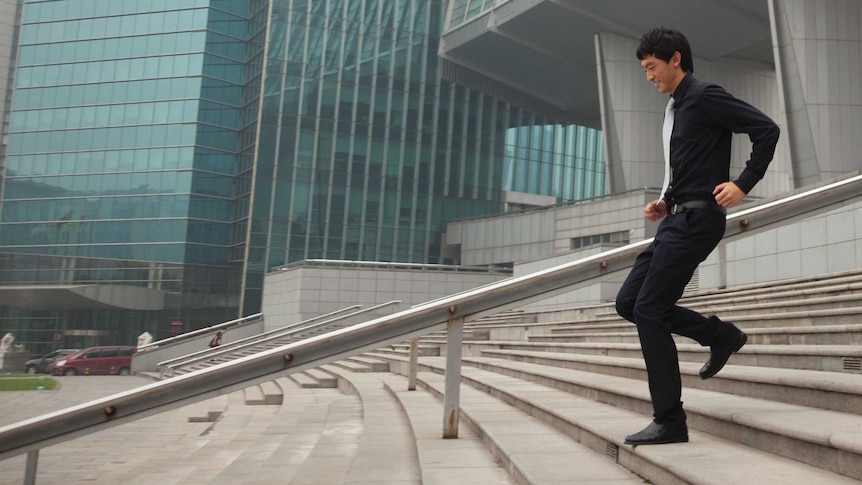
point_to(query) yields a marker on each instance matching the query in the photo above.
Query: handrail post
(30, 470)
(451, 401)
(414, 365)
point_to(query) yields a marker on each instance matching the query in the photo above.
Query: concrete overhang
(546, 49)
(81, 297)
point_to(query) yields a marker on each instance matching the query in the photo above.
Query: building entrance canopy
(81, 297)
(546, 48)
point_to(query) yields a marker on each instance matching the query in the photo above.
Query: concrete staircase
(547, 398)
(786, 409)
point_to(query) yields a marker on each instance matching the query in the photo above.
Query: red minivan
(111, 359)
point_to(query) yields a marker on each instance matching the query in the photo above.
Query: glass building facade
(466, 10)
(566, 162)
(121, 159)
(191, 146)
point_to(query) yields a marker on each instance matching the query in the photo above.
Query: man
(692, 208)
(218, 338)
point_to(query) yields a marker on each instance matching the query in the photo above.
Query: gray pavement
(316, 437)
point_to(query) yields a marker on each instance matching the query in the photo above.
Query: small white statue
(144, 339)
(6, 343)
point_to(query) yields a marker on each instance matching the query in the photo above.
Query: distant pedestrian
(218, 338)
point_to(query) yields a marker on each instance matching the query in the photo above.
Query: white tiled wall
(603, 291)
(300, 293)
(819, 52)
(540, 234)
(827, 243)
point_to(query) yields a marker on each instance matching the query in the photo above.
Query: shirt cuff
(747, 180)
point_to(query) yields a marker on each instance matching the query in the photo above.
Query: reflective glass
(156, 120)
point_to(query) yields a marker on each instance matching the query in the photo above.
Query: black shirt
(705, 118)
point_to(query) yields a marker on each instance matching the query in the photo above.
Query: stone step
(127, 453)
(506, 318)
(265, 393)
(706, 460)
(385, 431)
(308, 439)
(424, 349)
(352, 366)
(825, 316)
(795, 335)
(840, 296)
(532, 451)
(827, 439)
(376, 365)
(272, 392)
(836, 283)
(324, 379)
(253, 396)
(765, 290)
(783, 290)
(314, 379)
(332, 458)
(202, 460)
(832, 358)
(827, 312)
(304, 380)
(215, 407)
(825, 390)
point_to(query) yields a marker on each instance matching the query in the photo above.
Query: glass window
(165, 66)
(110, 27)
(92, 354)
(136, 70)
(171, 21)
(88, 117)
(123, 69)
(142, 24)
(85, 29)
(200, 19)
(133, 112)
(151, 66)
(160, 112)
(146, 113)
(139, 46)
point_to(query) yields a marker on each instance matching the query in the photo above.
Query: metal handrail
(33, 434)
(261, 336)
(255, 340)
(197, 333)
(347, 263)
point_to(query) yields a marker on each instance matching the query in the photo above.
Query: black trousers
(649, 295)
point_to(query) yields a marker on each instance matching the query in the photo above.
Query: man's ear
(676, 59)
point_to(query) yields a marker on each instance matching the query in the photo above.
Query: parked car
(109, 359)
(40, 365)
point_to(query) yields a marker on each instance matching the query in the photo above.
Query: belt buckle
(676, 209)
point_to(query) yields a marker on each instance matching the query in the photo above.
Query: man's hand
(728, 194)
(655, 210)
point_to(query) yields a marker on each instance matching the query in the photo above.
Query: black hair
(662, 42)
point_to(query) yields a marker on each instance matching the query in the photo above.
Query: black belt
(695, 204)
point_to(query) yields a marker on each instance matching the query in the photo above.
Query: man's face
(665, 75)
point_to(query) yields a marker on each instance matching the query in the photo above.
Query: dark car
(109, 359)
(40, 365)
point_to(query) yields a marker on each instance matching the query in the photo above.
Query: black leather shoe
(720, 353)
(659, 434)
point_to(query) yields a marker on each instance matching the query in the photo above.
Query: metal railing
(30, 435)
(168, 368)
(236, 343)
(392, 265)
(199, 332)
